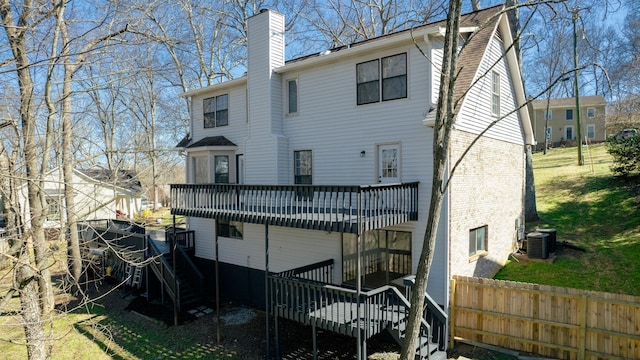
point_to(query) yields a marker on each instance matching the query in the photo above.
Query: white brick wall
(487, 189)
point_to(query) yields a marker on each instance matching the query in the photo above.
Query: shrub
(626, 155)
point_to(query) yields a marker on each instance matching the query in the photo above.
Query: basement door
(389, 163)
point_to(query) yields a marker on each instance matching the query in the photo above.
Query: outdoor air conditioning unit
(537, 245)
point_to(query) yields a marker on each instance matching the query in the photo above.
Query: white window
(292, 96)
(568, 133)
(549, 133)
(478, 241)
(222, 169)
(53, 200)
(495, 93)
(216, 111)
(548, 114)
(388, 74)
(591, 131)
(200, 170)
(569, 114)
(302, 167)
(591, 112)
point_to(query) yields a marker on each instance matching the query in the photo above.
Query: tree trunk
(73, 245)
(530, 208)
(445, 118)
(38, 346)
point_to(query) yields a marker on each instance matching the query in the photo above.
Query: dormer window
(216, 111)
(384, 79)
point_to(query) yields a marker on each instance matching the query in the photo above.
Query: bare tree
(32, 274)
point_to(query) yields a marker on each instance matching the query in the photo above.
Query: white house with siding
(329, 157)
(100, 194)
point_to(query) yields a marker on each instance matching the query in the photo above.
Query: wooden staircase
(302, 296)
(181, 281)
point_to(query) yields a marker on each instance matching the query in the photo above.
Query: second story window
(384, 79)
(292, 96)
(302, 169)
(569, 114)
(495, 93)
(591, 112)
(548, 114)
(216, 111)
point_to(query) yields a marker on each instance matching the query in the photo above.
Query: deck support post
(217, 287)
(360, 206)
(315, 343)
(175, 272)
(266, 285)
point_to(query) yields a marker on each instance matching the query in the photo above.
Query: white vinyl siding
(236, 131)
(495, 93)
(476, 111)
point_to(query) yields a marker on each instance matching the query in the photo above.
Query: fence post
(583, 327)
(452, 312)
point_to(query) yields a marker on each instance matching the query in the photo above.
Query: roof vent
(326, 52)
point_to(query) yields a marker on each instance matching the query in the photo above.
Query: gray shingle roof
(126, 179)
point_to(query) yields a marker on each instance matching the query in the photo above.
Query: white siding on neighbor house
(475, 113)
(93, 199)
(236, 131)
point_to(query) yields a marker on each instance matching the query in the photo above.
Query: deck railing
(321, 272)
(342, 310)
(432, 313)
(375, 261)
(184, 237)
(328, 208)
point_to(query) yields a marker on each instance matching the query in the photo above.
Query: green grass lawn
(593, 210)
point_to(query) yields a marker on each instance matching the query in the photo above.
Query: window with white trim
(495, 93)
(478, 241)
(384, 78)
(221, 163)
(591, 112)
(548, 114)
(216, 111)
(591, 131)
(549, 132)
(302, 167)
(568, 114)
(292, 96)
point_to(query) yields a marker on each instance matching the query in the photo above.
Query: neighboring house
(562, 127)
(100, 194)
(329, 157)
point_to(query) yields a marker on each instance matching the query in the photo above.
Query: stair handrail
(165, 270)
(192, 270)
(321, 272)
(431, 308)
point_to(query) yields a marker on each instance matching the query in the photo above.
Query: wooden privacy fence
(550, 321)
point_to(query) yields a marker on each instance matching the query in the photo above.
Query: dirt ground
(242, 332)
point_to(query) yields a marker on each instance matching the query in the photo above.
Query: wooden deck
(349, 209)
(361, 314)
